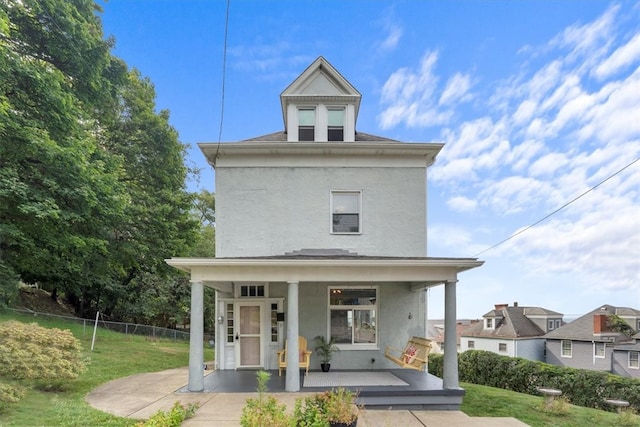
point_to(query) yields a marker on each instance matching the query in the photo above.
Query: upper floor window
(488, 323)
(558, 323)
(335, 122)
(567, 348)
(345, 211)
(306, 124)
(551, 324)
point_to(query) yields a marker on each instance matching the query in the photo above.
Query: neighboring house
(438, 335)
(320, 230)
(591, 342)
(514, 331)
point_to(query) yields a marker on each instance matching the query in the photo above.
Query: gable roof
(320, 82)
(581, 329)
(511, 323)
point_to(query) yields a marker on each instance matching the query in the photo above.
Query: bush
(9, 394)
(173, 418)
(29, 351)
(581, 387)
(265, 411)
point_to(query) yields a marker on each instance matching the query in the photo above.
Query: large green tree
(92, 178)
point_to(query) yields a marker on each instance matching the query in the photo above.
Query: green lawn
(116, 355)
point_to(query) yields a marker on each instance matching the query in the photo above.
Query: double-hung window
(352, 316)
(345, 211)
(335, 122)
(634, 359)
(599, 350)
(306, 124)
(567, 348)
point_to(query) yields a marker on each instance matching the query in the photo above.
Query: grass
(116, 355)
(482, 401)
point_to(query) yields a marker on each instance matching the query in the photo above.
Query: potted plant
(325, 350)
(340, 407)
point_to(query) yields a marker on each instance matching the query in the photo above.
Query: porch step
(385, 418)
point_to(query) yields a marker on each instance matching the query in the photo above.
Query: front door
(249, 335)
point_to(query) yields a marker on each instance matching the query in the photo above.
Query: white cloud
(392, 39)
(462, 204)
(457, 90)
(623, 56)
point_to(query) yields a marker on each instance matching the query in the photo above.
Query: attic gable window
(488, 323)
(306, 124)
(335, 121)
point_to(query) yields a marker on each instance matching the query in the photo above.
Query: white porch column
(292, 380)
(450, 363)
(196, 350)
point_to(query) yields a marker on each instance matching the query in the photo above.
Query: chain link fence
(154, 332)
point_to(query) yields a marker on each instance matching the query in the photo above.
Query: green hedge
(581, 386)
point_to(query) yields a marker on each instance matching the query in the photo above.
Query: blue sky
(536, 101)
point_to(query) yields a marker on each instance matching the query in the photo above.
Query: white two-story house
(320, 230)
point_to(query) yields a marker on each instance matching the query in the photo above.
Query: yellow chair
(304, 358)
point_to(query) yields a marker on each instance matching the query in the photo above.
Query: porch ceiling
(421, 272)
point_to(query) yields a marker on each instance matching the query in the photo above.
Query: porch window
(274, 322)
(306, 124)
(352, 316)
(634, 359)
(345, 211)
(230, 336)
(567, 348)
(252, 291)
(599, 350)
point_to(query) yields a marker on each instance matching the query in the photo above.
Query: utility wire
(224, 77)
(557, 210)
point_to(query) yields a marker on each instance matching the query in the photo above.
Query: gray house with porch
(320, 230)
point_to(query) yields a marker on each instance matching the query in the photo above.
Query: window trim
(562, 352)
(500, 345)
(550, 324)
(471, 345)
(374, 307)
(596, 346)
(238, 291)
(344, 119)
(489, 322)
(637, 361)
(331, 213)
(313, 108)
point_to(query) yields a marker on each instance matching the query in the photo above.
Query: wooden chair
(304, 358)
(414, 356)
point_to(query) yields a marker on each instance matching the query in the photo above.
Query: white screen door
(249, 335)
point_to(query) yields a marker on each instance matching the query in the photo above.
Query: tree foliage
(92, 179)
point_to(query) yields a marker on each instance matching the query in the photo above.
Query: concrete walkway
(140, 396)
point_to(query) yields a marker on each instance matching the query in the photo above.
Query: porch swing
(414, 356)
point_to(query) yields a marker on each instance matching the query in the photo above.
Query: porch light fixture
(221, 319)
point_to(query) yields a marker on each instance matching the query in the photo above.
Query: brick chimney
(501, 306)
(600, 323)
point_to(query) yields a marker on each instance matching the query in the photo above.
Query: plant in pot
(325, 350)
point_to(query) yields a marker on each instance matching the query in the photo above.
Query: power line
(224, 77)
(557, 210)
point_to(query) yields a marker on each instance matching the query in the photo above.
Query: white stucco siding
(264, 211)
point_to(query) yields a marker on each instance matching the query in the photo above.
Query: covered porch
(420, 391)
(416, 275)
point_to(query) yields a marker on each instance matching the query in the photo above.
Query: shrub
(265, 411)
(580, 386)
(9, 394)
(29, 351)
(172, 418)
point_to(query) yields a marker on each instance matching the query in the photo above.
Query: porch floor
(423, 390)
